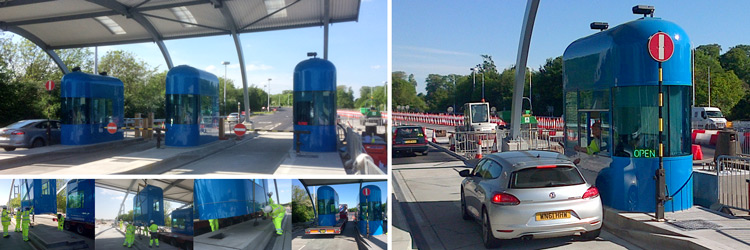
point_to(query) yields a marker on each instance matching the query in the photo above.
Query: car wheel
(80, 230)
(37, 143)
(425, 152)
(591, 235)
(8, 149)
(66, 226)
(464, 212)
(487, 238)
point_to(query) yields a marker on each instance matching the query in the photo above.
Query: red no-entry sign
(366, 191)
(112, 128)
(660, 46)
(49, 85)
(240, 129)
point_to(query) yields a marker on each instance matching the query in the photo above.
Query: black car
(409, 139)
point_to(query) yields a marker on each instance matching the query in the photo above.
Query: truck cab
(477, 118)
(708, 118)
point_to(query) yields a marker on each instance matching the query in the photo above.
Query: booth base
(311, 163)
(45, 235)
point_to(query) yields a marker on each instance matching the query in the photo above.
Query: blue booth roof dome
(189, 80)
(315, 63)
(619, 57)
(88, 78)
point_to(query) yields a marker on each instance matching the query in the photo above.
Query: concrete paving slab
(15, 241)
(30, 156)
(44, 235)
(327, 163)
(346, 240)
(732, 233)
(401, 236)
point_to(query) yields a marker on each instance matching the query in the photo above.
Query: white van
(708, 118)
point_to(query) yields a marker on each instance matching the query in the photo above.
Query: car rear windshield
(20, 124)
(410, 132)
(548, 176)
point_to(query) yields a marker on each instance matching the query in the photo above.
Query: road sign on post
(660, 46)
(366, 191)
(112, 128)
(49, 85)
(240, 129)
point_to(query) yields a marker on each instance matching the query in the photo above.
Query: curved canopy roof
(85, 23)
(180, 190)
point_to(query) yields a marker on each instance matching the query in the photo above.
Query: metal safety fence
(733, 175)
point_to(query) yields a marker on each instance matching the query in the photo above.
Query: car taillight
(547, 166)
(592, 192)
(505, 199)
(18, 132)
(395, 132)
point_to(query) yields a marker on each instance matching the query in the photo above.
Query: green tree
(547, 88)
(344, 97)
(301, 205)
(61, 196)
(134, 74)
(405, 92)
(726, 88)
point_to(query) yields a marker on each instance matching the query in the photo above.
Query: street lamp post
(454, 93)
(268, 107)
(225, 63)
(530, 86)
(481, 68)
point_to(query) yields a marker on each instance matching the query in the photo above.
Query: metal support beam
(140, 19)
(173, 184)
(127, 192)
(523, 54)
(276, 186)
(327, 16)
(10, 194)
(269, 15)
(36, 40)
(238, 45)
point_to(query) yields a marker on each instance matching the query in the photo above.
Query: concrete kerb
(50, 153)
(447, 151)
(423, 235)
(644, 235)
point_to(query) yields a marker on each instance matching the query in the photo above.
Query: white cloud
(255, 67)
(118, 198)
(108, 192)
(375, 66)
(210, 68)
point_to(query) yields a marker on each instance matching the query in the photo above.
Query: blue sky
(358, 49)
(448, 37)
(348, 193)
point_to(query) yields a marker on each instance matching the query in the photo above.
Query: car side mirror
(464, 173)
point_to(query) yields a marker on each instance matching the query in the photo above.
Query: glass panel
(156, 206)
(571, 121)
(546, 177)
(182, 109)
(636, 119)
(45, 187)
(479, 113)
(314, 108)
(75, 199)
(678, 121)
(493, 169)
(75, 110)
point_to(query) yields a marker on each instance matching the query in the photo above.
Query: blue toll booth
(79, 212)
(315, 105)
(609, 78)
(148, 205)
(192, 107)
(89, 103)
(328, 206)
(224, 198)
(40, 194)
(182, 221)
(370, 212)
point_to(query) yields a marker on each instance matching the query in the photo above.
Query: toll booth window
(677, 121)
(45, 187)
(178, 223)
(327, 206)
(316, 108)
(101, 110)
(636, 119)
(208, 111)
(479, 113)
(182, 109)
(371, 211)
(75, 199)
(156, 206)
(75, 110)
(261, 195)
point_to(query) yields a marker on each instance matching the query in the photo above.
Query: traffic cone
(479, 149)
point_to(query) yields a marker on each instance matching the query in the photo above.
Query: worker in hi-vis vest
(5, 219)
(18, 220)
(214, 224)
(154, 230)
(60, 222)
(25, 221)
(277, 212)
(129, 234)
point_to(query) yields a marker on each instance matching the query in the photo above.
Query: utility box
(727, 143)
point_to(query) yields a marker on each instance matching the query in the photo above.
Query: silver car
(529, 194)
(29, 134)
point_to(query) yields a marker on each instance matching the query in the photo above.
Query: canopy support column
(523, 54)
(326, 21)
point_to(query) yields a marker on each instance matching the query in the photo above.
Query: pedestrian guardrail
(733, 173)
(359, 160)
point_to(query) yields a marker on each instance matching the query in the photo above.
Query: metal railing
(472, 143)
(733, 173)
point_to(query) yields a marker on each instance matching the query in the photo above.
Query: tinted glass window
(478, 168)
(314, 108)
(75, 199)
(479, 113)
(714, 114)
(19, 124)
(546, 177)
(410, 132)
(493, 170)
(182, 109)
(75, 110)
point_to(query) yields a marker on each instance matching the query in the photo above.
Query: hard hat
(152, 221)
(4, 207)
(270, 193)
(267, 209)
